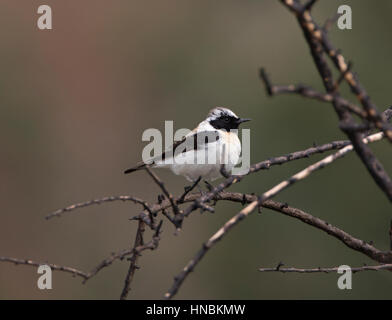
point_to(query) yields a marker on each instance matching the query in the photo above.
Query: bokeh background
(74, 102)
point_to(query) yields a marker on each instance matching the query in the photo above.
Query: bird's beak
(241, 120)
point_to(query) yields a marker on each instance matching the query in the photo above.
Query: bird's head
(224, 119)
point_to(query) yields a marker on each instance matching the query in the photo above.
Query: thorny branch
(308, 92)
(28, 262)
(326, 270)
(217, 236)
(132, 267)
(358, 134)
(320, 45)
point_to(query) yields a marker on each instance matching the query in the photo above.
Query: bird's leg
(202, 192)
(205, 207)
(210, 188)
(209, 185)
(188, 189)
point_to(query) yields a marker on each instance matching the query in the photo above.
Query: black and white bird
(202, 151)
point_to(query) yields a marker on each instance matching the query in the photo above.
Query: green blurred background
(75, 100)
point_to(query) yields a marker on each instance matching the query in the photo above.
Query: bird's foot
(202, 192)
(188, 189)
(209, 186)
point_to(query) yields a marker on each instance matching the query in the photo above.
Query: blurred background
(74, 102)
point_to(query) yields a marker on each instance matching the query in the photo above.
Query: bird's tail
(139, 166)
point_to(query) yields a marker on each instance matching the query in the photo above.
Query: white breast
(207, 162)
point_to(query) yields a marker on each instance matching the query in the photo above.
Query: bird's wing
(194, 141)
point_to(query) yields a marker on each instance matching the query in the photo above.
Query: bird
(202, 152)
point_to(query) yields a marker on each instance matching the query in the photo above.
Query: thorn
(284, 205)
(243, 199)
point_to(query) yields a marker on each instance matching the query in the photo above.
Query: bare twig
(59, 212)
(327, 270)
(318, 44)
(308, 92)
(132, 267)
(28, 262)
(160, 183)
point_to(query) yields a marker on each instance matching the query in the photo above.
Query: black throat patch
(225, 122)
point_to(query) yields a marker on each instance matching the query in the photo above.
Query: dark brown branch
(318, 43)
(308, 92)
(327, 270)
(160, 183)
(132, 267)
(28, 262)
(72, 207)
